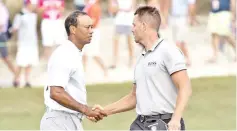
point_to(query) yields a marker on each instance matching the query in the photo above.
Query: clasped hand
(95, 114)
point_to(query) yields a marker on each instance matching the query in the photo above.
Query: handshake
(95, 113)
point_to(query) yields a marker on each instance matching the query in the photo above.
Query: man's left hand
(174, 125)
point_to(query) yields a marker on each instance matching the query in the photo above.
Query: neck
(150, 40)
(79, 45)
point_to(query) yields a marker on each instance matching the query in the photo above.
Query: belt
(78, 115)
(143, 118)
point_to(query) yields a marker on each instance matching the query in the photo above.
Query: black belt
(143, 118)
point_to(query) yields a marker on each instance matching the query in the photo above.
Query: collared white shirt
(65, 69)
(155, 91)
(26, 24)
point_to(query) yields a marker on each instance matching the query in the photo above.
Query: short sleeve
(17, 21)
(135, 68)
(59, 73)
(174, 60)
(134, 80)
(40, 3)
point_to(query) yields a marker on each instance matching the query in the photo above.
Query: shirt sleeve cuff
(179, 68)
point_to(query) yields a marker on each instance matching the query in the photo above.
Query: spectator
(80, 4)
(164, 8)
(51, 26)
(192, 12)
(93, 9)
(123, 26)
(25, 24)
(179, 20)
(112, 9)
(4, 23)
(221, 17)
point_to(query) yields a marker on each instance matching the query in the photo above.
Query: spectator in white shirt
(179, 25)
(4, 23)
(25, 24)
(124, 10)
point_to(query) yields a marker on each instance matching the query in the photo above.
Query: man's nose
(91, 30)
(132, 29)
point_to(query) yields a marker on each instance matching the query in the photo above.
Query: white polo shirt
(26, 24)
(65, 69)
(155, 91)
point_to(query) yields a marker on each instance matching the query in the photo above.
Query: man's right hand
(95, 113)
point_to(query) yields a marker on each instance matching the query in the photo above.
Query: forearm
(233, 9)
(125, 104)
(182, 99)
(64, 99)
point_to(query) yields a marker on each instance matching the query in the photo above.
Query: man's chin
(88, 42)
(136, 41)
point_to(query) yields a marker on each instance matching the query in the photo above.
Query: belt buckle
(142, 118)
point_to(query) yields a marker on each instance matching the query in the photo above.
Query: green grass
(212, 106)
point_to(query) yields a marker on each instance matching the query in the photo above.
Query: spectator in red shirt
(52, 25)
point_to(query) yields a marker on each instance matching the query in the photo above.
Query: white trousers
(60, 120)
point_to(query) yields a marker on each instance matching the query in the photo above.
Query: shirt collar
(74, 46)
(153, 47)
(24, 10)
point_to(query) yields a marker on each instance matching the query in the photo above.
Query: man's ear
(72, 29)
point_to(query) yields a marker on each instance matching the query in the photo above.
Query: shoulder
(169, 49)
(66, 52)
(3, 10)
(167, 46)
(60, 53)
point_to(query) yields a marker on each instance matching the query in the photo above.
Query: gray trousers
(60, 120)
(149, 123)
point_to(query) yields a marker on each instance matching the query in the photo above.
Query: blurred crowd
(177, 14)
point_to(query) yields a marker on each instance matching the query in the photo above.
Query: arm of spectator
(16, 23)
(3, 19)
(233, 9)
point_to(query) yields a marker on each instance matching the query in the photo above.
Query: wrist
(176, 117)
(85, 109)
(108, 111)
